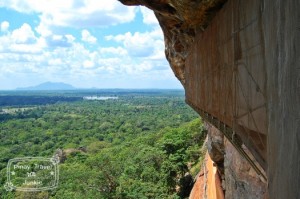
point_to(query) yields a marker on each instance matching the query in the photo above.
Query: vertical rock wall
(281, 20)
(244, 70)
(239, 178)
(226, 73)
(241, 181)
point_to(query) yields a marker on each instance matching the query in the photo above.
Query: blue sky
(86, 43)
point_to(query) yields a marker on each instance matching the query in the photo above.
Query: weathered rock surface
(215, 144)
(236, 180)
(241, 181)
(208, 183)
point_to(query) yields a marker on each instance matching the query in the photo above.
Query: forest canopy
(140, 145)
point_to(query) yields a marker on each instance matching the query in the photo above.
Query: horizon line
(74, 89)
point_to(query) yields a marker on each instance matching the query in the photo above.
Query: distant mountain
(50, 86)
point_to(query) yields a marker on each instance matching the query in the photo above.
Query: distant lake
(99, 98)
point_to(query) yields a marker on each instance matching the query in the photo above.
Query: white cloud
(118, 51)
(88, 64)
(74, 13)
(87, 37)
(70, 38)
(22, 40)
(138, 44)
(23, 35)
(60, 55)
(148, 16)
(50, 53)
(44, 27)
(55, 62)
(24, 48)
(55, 14)
(4, 26)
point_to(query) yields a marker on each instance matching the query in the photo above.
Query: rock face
(231, 177)
(239, 178)
(208, 183)
(241, 181)
(239, 64)
(215, 144)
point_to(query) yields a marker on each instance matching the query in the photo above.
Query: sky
(85, 43)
